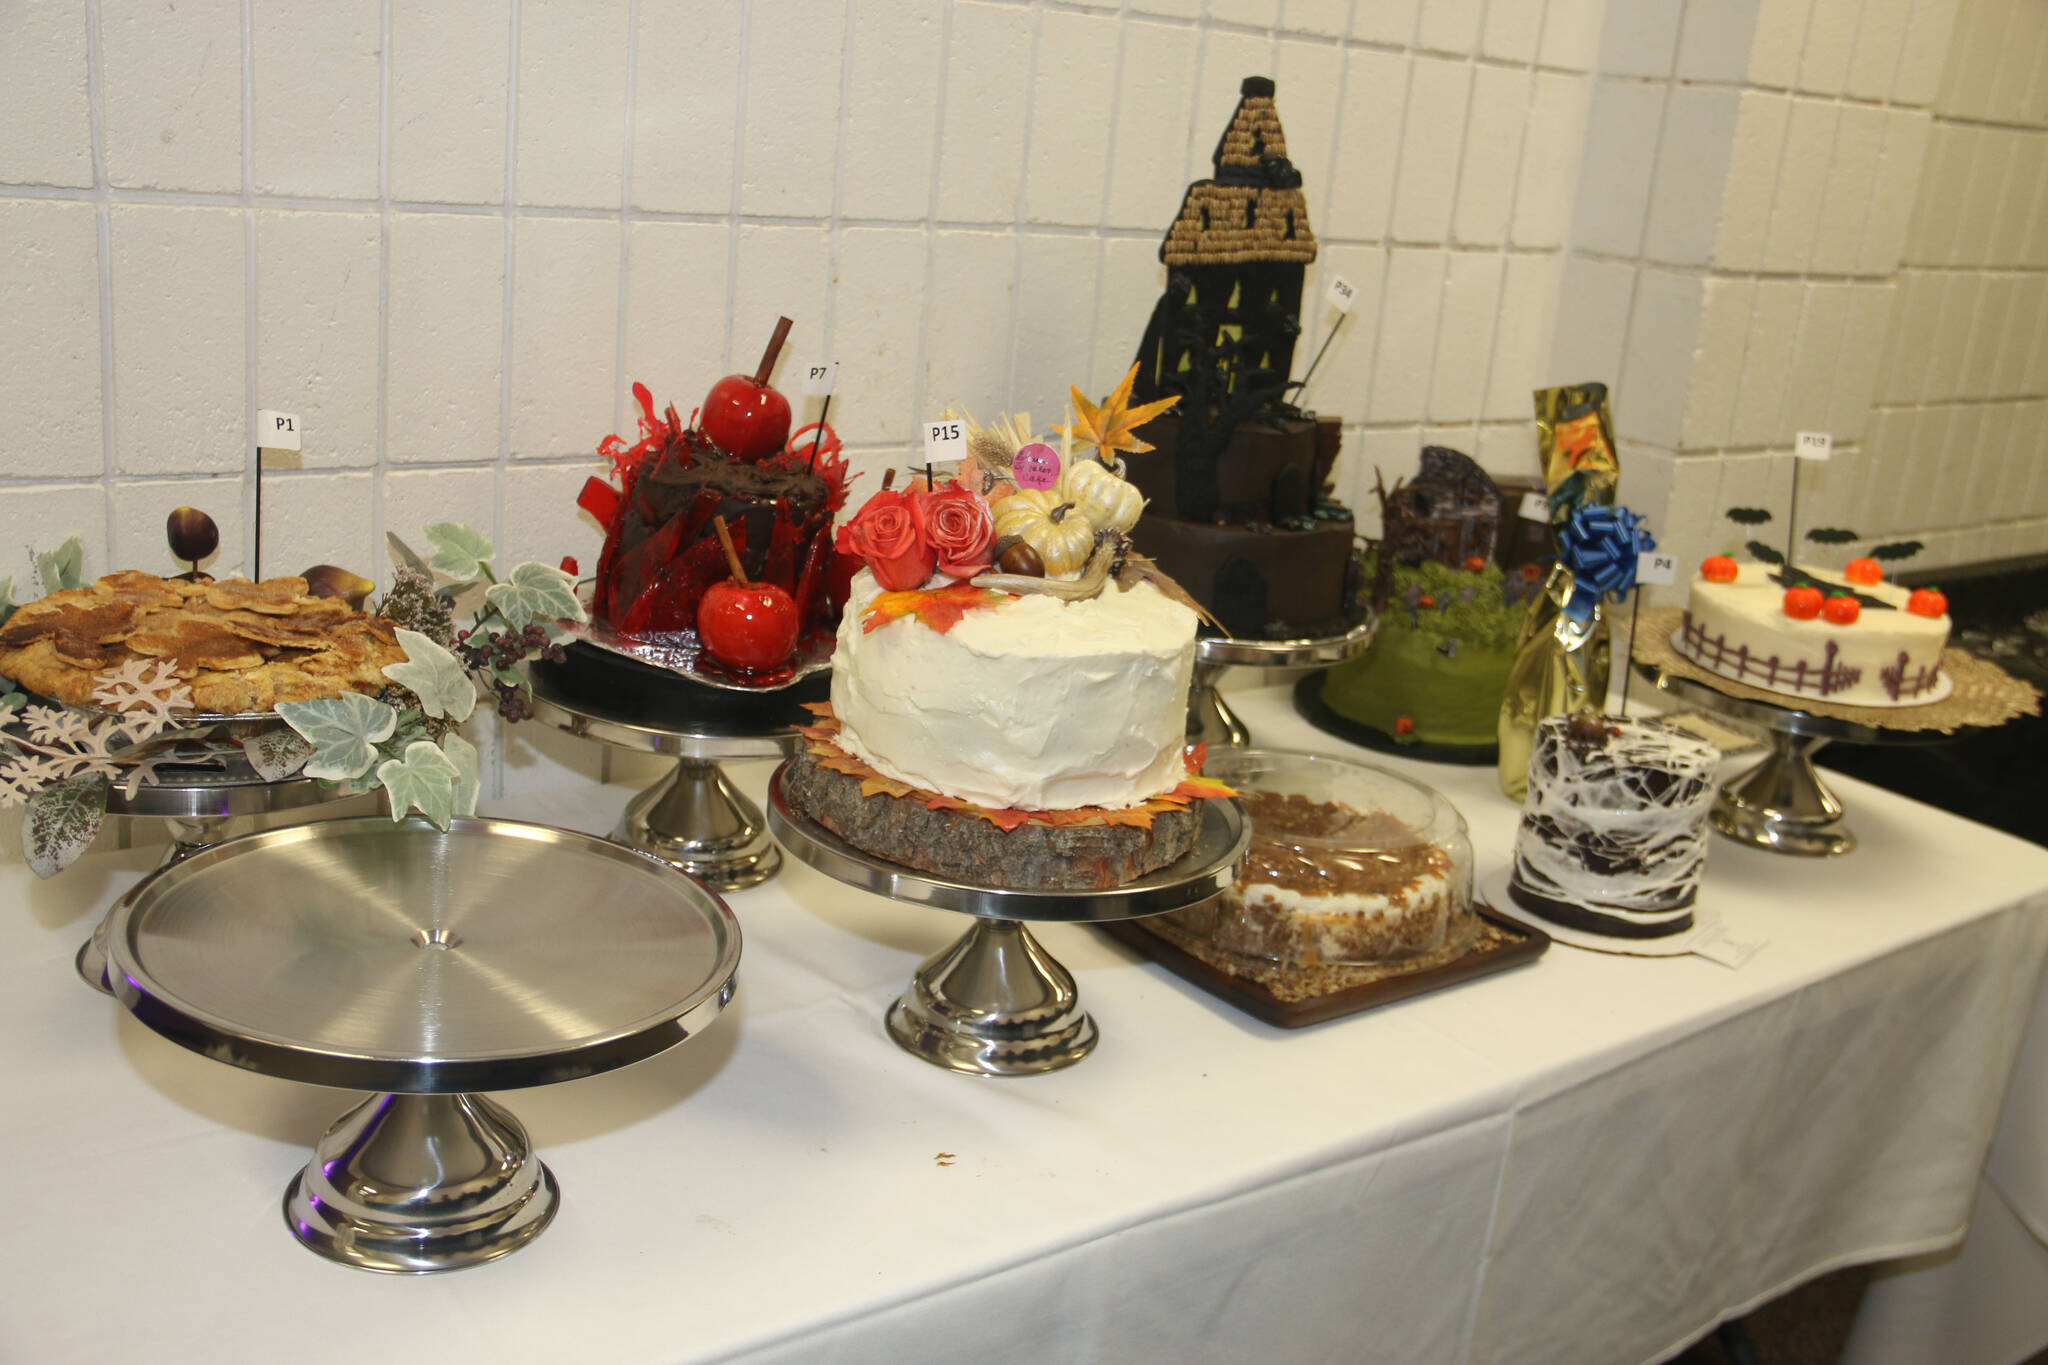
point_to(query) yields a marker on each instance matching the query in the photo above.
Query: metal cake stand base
(694, 817)
(995, 1003)
(406, 1184)
(1781, 804)
(425, 966)
(1210, 719)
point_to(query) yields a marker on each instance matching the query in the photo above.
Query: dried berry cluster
(498, 654)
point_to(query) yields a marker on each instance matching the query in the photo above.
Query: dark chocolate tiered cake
(1238, 481)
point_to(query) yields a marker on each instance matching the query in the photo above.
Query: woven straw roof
(1253, 210)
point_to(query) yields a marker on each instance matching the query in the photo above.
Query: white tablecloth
(1594, 1158)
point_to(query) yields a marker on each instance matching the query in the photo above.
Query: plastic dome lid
(1419, 815)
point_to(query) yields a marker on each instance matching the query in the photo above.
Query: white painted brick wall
(451, 236)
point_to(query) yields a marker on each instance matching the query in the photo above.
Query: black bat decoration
(1765, 553)
(1831, 535)
(1749, 516)
(1897, 549)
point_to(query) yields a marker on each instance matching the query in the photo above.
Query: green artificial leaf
(63, 567)
(435, 676)
(402, 556)
(61, 822)
(343, 731)
(425, 778)
(468, 784)
(459, 551)
(535, 592)
(6, 599)
(277, 754)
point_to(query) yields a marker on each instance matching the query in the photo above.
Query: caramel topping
(1375, 854)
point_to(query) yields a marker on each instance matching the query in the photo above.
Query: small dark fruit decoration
(1803, 603)
(749, 626)
(192, 535)
(1475, 564)
(1927, 602)
(1720, 569)
(1842, 610)
(1863, 572)
(748, 419)
(1022, 560)
(328, 580)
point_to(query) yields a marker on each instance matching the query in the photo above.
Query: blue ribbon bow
(1599, 544)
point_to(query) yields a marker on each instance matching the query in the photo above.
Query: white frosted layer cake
(1614, 829)
(1033, 704)
(1886, 656)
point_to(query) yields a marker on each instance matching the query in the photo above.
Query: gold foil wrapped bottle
(1561, 661)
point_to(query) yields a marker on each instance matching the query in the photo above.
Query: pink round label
(1036, 467)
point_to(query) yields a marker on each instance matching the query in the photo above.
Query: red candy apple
(749, 626)
(1803, 603)
(1720, 569)
(742, 414)
(1863, 572)
(1842, 610)
(1927, 602)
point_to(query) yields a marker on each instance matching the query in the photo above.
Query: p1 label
(277, 430)
(945, 440)
(819, 378)
(1341, 294)
(1654, 567)
(1814, 445)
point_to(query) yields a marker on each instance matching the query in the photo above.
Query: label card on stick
(1814, 445)
(1341, 294)
(1535, 507)
(819, 378)
(1653, 566)
(945, 440)
(277, 430)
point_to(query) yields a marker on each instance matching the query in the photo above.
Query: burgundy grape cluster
(507, 649)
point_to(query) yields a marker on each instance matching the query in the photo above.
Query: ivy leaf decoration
(435, 676)
(63, 567)
(6, 599)
(459, 551)
(402, 556)
(467, 782)
(535, 592)
(425, 779)
(277, 754)
(344, 732)
(61, 822)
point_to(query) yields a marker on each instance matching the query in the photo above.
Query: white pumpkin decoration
(1050, 524)
(1098, 494)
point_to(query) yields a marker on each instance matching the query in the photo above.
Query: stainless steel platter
(1210, 719)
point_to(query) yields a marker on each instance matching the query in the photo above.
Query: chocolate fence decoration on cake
(1902, 682)
(1801, 677)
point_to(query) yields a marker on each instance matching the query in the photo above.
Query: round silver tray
(682, 654)
(1211, 721)
(425, 966)
(1781, 804)
(995, 1003)
(694, 817)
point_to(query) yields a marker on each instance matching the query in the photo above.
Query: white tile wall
(450, 236)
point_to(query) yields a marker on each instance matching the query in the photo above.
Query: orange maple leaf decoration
(823, 743)
(1113, 426)
(939, 608)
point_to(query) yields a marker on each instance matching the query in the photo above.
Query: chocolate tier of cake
(1247, 532)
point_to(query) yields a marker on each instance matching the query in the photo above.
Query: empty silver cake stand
(1781, 804)
(694, 817)
(1211, 721)
(427, 967)
(198, 806)
(995, 1003)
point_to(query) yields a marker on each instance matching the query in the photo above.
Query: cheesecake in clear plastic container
(1349, 866)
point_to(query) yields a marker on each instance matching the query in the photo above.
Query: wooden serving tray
(1504, 944)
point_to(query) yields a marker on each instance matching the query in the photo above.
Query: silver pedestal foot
(187, 838)
(1782, 805)
(1210, 719)
(408, 1184)
(993, 1004)
(697, 820)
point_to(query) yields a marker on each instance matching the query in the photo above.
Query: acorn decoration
(328, 580)
(192, 536)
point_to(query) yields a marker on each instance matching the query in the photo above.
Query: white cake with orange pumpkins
(1843, 636)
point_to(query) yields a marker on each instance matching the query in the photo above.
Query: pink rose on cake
(888, 534)
(961, 529)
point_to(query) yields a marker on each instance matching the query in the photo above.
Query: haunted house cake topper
(1222, 335)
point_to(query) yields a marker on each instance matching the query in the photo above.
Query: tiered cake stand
(427, 967)
(1781, 804)
(995, 1003)
(694, 817)
(1211, 721)
(199, 805)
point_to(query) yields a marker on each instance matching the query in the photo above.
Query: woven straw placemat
(1984, 694)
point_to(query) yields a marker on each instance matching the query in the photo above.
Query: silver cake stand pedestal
(1781, 804)
(1211, 721)
(198, 806)
(426, 967)
(995, 1003)
(694, 817)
